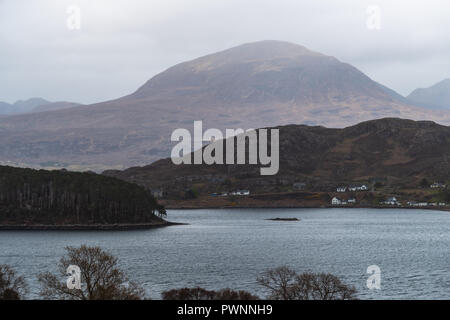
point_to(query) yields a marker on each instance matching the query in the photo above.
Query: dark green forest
(29, 196)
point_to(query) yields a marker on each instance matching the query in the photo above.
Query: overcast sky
(123, 43)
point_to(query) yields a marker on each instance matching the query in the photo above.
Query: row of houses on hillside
(393, 201)
(438, 185)
(352, 188)
(240, 193)
(426, 204)
(232, 193)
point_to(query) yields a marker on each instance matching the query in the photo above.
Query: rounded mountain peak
(237, 64)
(263, 50)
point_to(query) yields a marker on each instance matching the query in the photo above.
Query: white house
(157, 193)
(336, 201)
(422, 204)
(240, 193)
(437, 185)
(358, 188)
(391, 201)
(351, 200)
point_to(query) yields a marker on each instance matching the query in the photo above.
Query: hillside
(53, 106)
(434, 97)
(393, 152)
(31, 197)
(255, 85)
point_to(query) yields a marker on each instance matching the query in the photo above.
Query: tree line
(29, 196)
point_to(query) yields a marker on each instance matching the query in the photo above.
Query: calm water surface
(230, 248)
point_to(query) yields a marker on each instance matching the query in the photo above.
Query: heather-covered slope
(397, 151)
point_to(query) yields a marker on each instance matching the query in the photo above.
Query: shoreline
(295, 200)
(148, 226)
(303, 207)
(89, 227)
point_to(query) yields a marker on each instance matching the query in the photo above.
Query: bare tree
(279, 282)
(12, 287)
(285, 284)
(101, 279)
(329, 287)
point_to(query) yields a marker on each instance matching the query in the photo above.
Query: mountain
(434, 97)
(4, 107)
(33, 105)
(394, 151)
(254, 85)
(21, 106)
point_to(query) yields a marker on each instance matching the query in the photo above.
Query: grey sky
(123, 43)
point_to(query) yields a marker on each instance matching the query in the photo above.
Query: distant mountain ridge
(21, 106)
(434, 97)
(254, 85)
(33, 105)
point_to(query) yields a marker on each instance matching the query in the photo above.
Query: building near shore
(336, 201)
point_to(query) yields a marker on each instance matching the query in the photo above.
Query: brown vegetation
(12, 287)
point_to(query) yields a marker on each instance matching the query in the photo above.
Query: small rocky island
(62, 200)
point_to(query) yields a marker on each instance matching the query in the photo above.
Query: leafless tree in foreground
(203, 294)
(100, 278)
(12, 287)
(284, 283)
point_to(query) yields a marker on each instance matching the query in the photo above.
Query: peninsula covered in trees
(40, 199)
